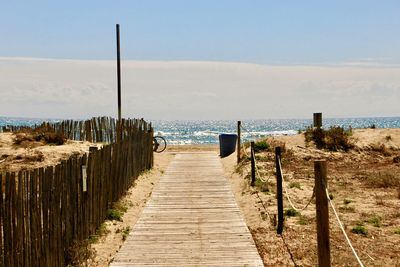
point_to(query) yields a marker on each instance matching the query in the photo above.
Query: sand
(35, 155)
(349, 176)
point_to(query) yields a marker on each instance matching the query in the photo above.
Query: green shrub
(114, 214)
(397, 231)
(291, 212)
(375, 221)
(295, 185)
(101, 231)
(261, 146)
(125, 232)
(359, 229)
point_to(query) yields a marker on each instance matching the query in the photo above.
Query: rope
(342, 228)
(288, 250)
(241, 126)
(287, 193)
(262, 203)
(244, 149)
(257, 172)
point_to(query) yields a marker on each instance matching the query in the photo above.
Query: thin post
(253, 165)
(322, 209)
(279, 194)
(317, 120)
(239, 123)
(119, 131)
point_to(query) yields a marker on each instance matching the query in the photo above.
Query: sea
(187, 132)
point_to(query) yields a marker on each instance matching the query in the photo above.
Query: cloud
(195, 90)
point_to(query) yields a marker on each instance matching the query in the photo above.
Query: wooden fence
(99, 129)
(44, 211)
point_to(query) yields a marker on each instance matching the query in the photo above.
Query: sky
(200, 59)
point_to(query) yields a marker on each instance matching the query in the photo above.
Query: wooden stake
(279, 194)
(322, 210)
(239, 123)
(317, 120)
(253, 165)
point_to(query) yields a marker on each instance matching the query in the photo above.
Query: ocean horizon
(187, 132)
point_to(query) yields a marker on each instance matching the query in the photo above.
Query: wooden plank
(192, 219)
(20, 220)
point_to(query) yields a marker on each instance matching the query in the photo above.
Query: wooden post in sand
(322, 209)
(239, 123)
(317, 122)
(253, 165)
(119, 130)
(279, 194)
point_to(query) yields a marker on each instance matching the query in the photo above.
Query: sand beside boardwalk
(365, 187)
(350, 177)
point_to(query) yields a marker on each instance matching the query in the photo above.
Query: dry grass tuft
(28, 137)
(381, 148)
(383, 180)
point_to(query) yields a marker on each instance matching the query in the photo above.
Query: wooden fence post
(317, 120)
(322, 209)
(239, 123)
(92, 149)
(279, 194)
(253, 165)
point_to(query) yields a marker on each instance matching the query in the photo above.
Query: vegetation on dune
(114, 214)
(117, 211)
(357, 179)
(291, 212)
(375, 221)
(386, 179)
(261, 146)
(334, 139)
(43, 134)
(359, 229)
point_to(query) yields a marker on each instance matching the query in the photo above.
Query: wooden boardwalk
(191, 219)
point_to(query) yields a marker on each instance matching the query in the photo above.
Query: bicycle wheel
(159, 144)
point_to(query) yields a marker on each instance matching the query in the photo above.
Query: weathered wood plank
(192, 219)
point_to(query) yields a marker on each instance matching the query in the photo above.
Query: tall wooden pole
(253, 165)
(279, 194)
(239, 123)
(119, 74)
(321, 199)
(119, 130)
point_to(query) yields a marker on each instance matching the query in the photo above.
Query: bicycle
(159, 144)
